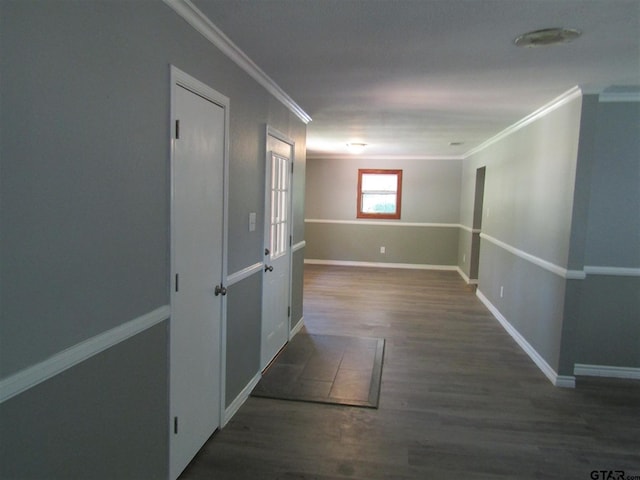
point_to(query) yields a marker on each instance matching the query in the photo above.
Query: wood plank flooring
(459, 398)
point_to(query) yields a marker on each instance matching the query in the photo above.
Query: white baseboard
(466, 278)
(244, 273)
(581, 369)
(412, 266)
(566, 381)
(296, 328)
(232, 409)
(242, 397)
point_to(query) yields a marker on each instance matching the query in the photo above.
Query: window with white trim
(379, 193)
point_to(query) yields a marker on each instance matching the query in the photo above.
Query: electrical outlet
(383, 250)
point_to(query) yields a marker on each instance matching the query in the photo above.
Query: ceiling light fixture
(547, 36)
(356, 147)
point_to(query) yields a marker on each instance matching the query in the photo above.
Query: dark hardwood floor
(459, 398)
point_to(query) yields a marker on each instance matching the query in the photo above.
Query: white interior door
(197, 268)
(276, 280)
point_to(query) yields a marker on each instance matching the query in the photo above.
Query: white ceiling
(408, 77)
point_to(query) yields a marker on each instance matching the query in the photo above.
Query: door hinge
(177, 281)
(291, 167)
(177, 129)
(290, 240)
(288, 312)
(175, 425)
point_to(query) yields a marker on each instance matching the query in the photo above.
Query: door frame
(178, 78)
(476, 228)
(278, 135)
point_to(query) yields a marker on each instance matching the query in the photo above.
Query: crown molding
(200, 22)
(566, 97)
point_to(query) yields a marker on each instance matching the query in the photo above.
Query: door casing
(281, 145)
(179, 79)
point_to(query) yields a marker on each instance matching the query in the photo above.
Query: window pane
(274, 172)
(379, 193)
(378, 203)
(379, 182)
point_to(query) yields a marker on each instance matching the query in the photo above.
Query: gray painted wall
(532, 301)
(608, 330)
(613, 232)
(104, 418)
(529, 185)
(430, 194)
(603, 311)
(84, 210)
(430, 188)
(244, 302)
(297, 310)
(403, 244)
(566, 188)
(465, 240)
(84, 203)
(528, 202)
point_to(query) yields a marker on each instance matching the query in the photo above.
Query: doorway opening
(476, 228)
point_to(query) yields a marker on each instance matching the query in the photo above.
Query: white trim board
(299, 326)
(581, 369)
(298, 246)
(244, 273)
(612, 271)
(200, 22)
(550, 373)
(411, 266)
(551, 267)
(561, 271)
(470, 229)
(466, 278)
(388, 223)
(242, 397)
(58, 363)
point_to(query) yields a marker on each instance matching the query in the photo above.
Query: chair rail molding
(200, 22)
(58, 363)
